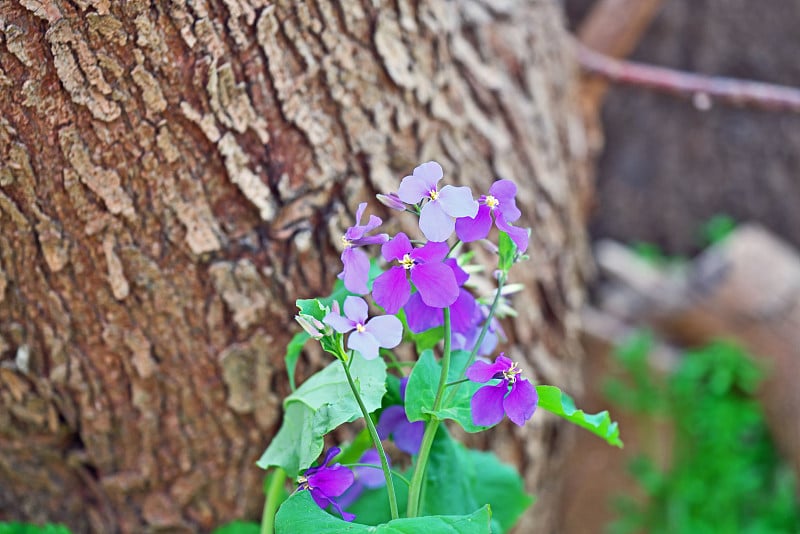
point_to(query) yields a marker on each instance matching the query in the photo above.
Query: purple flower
(438, 215)
(421, 317)
(466, 341)
(434, 280)
(489, 403)
(501, 203)
(356, 263)
(366, 477)
(326, 482)
(394, 422)
(383, 331)
(391, 201)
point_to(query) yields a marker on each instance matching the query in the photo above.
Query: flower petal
(338, 323)
(505, 192)
(360, 212)
(356, 309)
(420, 316)
(472, 229)
(391, 289)
(521, 402)
(483, 372)
(365, 343)
(436, 284)
(412, 189)
(356, 270)
(391, 418)
(487, 404)
(461, 275)
(435, 223)
(458, 201)
(386, 329)
(462, 312)
(332, 481)
(408, 436)
(432, 251)
(397, 247)
(429, 172)
(371, 477)
(518, 235)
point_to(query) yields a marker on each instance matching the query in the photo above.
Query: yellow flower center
(360, 327)
(346, 242)
(302, 482)
(407, 262)
(492, 202)
(434, 194)
(512, 372)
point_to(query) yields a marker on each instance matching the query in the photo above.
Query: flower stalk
(272, 500)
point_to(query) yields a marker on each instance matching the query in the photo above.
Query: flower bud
(391, 201)
(313, 327)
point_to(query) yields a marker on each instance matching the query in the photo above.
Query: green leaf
(238, 527)
(29, 528)
(422, 385)
(372, 506)
(320, 404)
(301, 514)
(293, 350)
(428, 339)
(314, 307)
(554, 401)
(507, 250)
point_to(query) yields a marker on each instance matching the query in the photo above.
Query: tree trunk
(175, 174)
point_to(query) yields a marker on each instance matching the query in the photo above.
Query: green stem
(272, 500)
(500, 283)
(415, 490)
(376, 440)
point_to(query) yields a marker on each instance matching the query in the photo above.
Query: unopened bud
(391, 201)
(312, 326)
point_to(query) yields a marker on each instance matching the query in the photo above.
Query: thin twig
(701, 88)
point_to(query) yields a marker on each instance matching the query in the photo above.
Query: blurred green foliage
(27, 528)
(725, 474)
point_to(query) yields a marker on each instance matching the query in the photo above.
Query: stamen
(360, 327)
(434, 194)
(407, 262)
(512, 372)
(492, 202)
(346, 242)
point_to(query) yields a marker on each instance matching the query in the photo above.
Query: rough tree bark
(174, 174)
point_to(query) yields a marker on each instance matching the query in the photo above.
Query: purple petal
(386, 329)
(356, 270)
(320, 498)
(378, 239)
(412, 189)
(461, 275)
(374, 222)
(356, 309)
(462, 312)
(487, 404)
(330, 455)
(391, 289)
(391, 417)
(403, 386)
(391, 201)
(351, 495)
(432, 251)
(483, 372)
(408, 436)
(505, 191)
(430, 173)
(360, 212)
(518, 235)
(338, 323)
(436, 284)
(435, 223)
(371, 477)
(365, 343)
(332, 481)
(458, 201)
(472, 229)
(521, 402)
(397, 247)
(420, 316)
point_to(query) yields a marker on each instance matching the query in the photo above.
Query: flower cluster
(418, 279)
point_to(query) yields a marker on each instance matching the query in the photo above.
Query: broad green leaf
(554, 401)
(238, 527)
(506, 252)
(372, 506)
(424, 381)
(314, 307)
(449, 479)
(293, 350)
(29, 528)
(319, 405)
(301, 514)
(428, 339)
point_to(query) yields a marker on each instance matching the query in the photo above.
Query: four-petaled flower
(394, 422)
(383, 331)
(438, 215)
(356, 263)
(513, 396)
(501, 203)
(325, 482)
(433, 279)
